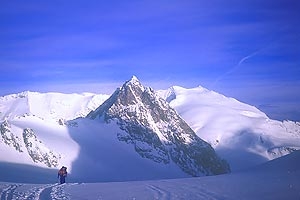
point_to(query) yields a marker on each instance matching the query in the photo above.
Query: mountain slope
(156, 131)
(240, 133)
(32, 127)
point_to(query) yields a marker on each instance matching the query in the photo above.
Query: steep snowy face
(156, 131)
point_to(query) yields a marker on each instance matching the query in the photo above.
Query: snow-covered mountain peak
(200, 96)
(157, 132)
(131, 91)
(173, 92)
(227, 123)
(133, 83)
(133, 79)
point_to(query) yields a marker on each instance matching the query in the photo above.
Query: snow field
(277, 179)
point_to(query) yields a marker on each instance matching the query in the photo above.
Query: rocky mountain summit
(156, 131)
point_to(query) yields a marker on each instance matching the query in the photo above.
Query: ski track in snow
(7, 191)
(159, 193)
(33, 192)
(165, 194)
(57, 192)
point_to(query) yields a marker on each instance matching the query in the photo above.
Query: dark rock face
(9, 138)
(157, 131)
(38, 152)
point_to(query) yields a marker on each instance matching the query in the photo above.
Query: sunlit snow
(240, 133)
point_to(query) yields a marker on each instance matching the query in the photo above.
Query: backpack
(63, 171)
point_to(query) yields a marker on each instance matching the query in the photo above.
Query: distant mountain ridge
(49, 106)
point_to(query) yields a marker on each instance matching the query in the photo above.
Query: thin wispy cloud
(241, 61)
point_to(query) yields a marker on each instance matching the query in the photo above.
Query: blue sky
(248, 49)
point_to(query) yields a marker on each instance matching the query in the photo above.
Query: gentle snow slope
(240, 133)
(277, 179)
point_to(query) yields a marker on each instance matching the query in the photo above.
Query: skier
(62, 174)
